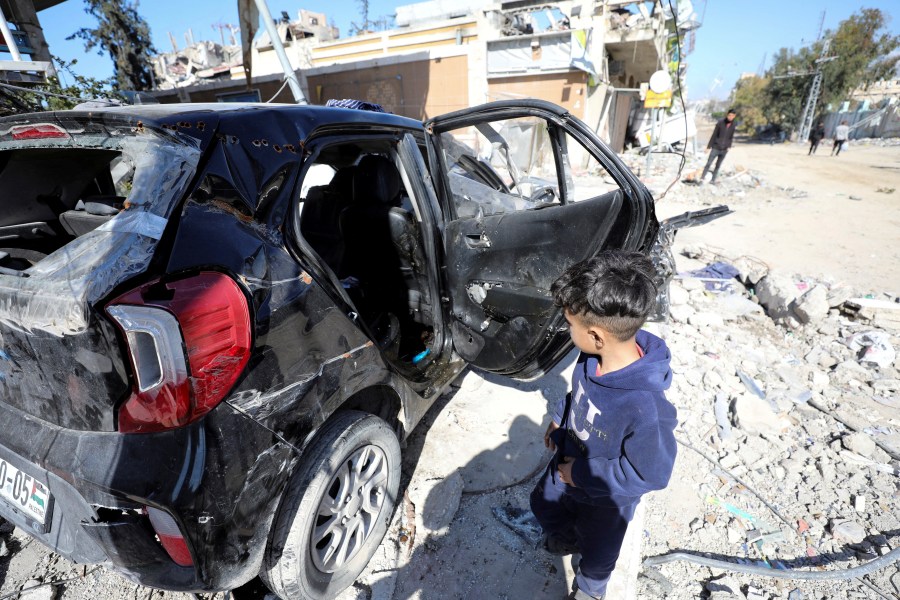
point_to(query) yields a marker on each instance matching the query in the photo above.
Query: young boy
(613, 434)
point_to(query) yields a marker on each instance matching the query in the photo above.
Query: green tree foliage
(862, 49)
(749, 99)
(125, 36)
(60, 95)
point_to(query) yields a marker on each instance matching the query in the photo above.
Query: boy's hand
(548, 443)
(565, 471)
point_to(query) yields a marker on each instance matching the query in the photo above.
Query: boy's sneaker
(579, 595)
(556, 546)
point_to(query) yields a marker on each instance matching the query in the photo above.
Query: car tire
(335, 509)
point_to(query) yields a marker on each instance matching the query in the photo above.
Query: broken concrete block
(860, 443)
(750, 270)
(706, 319)
(732, 306)
(819, 379)
(776, 292)
(847, 530)
(678, 295)
(885, 385)
(754, 415)
(754, 593)
(46, 592)
(812, 306)
(726, 584)
(681, 312)
(437, 500)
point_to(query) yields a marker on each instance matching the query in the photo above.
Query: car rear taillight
(38, 131)
(170, 536)
(189, 341)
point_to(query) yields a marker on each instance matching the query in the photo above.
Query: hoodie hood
(651, 373)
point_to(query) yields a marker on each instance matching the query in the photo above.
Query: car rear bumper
(101, 482)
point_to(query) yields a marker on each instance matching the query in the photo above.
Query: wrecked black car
(218, 322)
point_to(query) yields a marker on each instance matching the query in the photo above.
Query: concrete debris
(799, 401)
(777, 292)
(847, 530)
(197, 63)
(755, 415)
(45, 592)
(860, 443)
(813, 305)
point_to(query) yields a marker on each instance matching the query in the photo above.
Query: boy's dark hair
(614, 290)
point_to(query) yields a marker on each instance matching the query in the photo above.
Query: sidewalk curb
(623, 583)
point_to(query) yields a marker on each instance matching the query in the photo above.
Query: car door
(526, 190)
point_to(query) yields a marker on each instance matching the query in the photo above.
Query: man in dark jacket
(816, 136)
(719, 143)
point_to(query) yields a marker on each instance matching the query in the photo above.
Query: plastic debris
(722, 420)
(872, 346)
(751, 384)
(717, 276)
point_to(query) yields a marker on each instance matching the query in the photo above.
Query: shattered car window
(585, 177)
(501, 167)
(81, 215)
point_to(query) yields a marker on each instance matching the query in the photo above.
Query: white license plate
(25, 493)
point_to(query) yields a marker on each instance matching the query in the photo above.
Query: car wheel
(335, 510)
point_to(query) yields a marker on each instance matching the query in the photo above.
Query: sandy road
(843, 228)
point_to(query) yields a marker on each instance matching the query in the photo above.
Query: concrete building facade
(446, 55)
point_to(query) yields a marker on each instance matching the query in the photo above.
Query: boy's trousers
(597, 531)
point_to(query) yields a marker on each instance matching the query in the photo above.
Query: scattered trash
(885, 190)
(717, 277)
(872, 346)
(721, 412)
(716, 501)
(751, 384)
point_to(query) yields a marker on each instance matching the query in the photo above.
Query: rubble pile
(734, 183)
(789, 387)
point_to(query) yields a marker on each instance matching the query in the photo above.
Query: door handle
(477, 240)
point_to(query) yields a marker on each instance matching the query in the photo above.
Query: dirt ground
(843, 227)
(820, 216)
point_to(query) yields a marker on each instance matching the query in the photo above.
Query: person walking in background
(841, 133)
(719, 143)
(816, 136)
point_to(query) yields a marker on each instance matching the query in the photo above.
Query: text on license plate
(24, 492)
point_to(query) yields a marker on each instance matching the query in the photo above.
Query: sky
(735, 37)
(738, 37)
(165, 16)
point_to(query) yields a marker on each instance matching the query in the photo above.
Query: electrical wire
(281, 89)
(777, 514)
(737, 479)
(840, 574)
(44, 93)
(683, 107)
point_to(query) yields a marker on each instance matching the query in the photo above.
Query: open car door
(527, 190)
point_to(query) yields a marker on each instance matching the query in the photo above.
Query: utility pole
(289, 73)
(809, 110)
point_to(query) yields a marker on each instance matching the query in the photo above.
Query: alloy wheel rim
(349, 509)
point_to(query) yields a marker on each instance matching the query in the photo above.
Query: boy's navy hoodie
(619, 428)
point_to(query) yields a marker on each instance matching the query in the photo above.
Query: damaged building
(589, 56)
